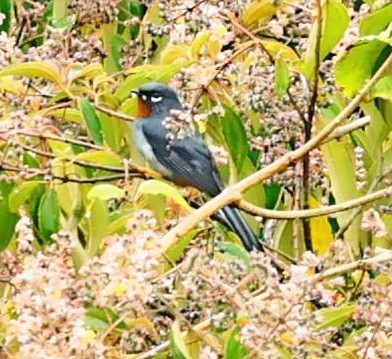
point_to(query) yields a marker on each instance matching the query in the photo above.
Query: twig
(233, 193)
(113, 113)
(384, 256)
(343, 228)
(315, 212)
(308, 127)
(65, 179)
(350, 127)
(46, 136)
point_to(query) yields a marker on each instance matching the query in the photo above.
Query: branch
(346, 129)
(234, 192)
(113, 113)
(308, 126)
(65, 179)
(45, 136)
(316, 212)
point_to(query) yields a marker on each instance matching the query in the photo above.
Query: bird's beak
(135, 93)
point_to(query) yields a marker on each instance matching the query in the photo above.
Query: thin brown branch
(346, 129)
(316, 212)
(64, 179)
(343, 228)
(113, 113)
(46, 136)
(234, 192)
(308, 127)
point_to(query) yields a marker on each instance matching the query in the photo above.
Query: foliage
(87, 270)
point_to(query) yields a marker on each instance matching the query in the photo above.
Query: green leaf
(40, 69)
(68, 114)
(383, 88)
(376, 22)
(175, 252)
(6, 7)
(157, 187)
(21, 194)
(233, 348)
(49, 214)
(114, 130)
(358, 65)
(235, 137)
(177, 343)
(282, 76)
(105, 192)
(113, 43)
(7, 218)
(234, 251)
(340, 162)
(261, 10)
(106, 157)
(334, 24)
(98, 223)
(102, 318)
(335, 317)
(92, 121)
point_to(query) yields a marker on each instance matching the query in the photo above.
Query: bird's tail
(237, 224)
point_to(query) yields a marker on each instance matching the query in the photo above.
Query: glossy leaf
(8, 219)
(98, 222)
(102, 318)
(113, 43)
(105, 192)
(282, 76)
(358, 65)
(173, 53)
(91, 70)
(6, 8)
(43, 70)
(101, 157)
(49, 214)
(21, 194)
(259, 11)
(235, 137)
(376, 22)
(340, 163)
(178, 249)
(178, 347)
(234, 251)
(157, 187)
(233, 348)
(322, 236)
(335, 317)
(67, 114)
(335, 21)
(92, 121)
(383, 88)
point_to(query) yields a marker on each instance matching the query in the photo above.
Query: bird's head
(156, 98)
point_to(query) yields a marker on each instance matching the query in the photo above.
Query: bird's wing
(189, 160)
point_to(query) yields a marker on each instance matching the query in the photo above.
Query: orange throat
(143, 110)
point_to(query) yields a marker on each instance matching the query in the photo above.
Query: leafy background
(86, 267)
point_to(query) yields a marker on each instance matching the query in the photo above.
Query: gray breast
(146, 150)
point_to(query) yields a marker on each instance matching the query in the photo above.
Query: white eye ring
(156, 98)
(144, 97)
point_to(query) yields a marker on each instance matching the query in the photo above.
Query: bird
(185, 160)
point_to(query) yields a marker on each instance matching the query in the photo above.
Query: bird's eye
(156, 98)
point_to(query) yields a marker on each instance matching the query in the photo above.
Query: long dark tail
(237, 224)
